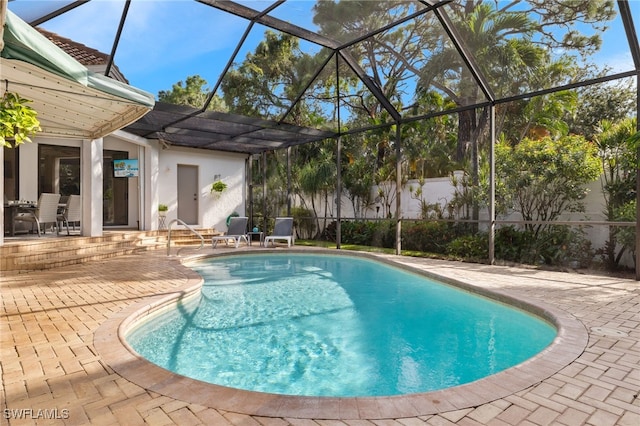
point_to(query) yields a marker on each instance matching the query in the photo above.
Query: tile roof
(82, 53)
(78, 51)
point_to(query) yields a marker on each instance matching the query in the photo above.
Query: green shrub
(511, 244)
(303, 222)
(559, 245)
(356, 232)
(384, 234)
(473, 247)
(627, 234)
(431, 237)
(366, 233)
(555, 245)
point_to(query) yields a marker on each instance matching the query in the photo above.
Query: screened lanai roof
(181, 125)
(359, 64)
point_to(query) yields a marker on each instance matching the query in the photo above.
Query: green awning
(71, 100)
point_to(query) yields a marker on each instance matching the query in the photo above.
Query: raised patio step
(54, 252)
(47, 255)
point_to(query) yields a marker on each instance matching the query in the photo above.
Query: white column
(29, 163)
(91, 187)
(151, 187)
(2, 184)
(142, 209)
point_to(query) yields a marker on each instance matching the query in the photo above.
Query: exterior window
(58, 170)
(11, 174)
(115, 192)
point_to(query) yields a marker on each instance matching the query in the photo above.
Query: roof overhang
(71, 101)
(180, 125)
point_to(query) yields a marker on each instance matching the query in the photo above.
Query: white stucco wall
(434, 191)
(213, 210)
(157, 181)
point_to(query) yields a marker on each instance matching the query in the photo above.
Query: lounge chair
(72, 212)
(282, 230)
(237, 231)
(45, 212)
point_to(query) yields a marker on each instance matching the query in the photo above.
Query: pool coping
(111, 345)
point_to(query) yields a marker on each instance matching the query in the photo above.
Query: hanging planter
(18, 120)
(218, 187)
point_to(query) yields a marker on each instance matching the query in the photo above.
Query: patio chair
(72, 212)
(237, 231)
(45, 212)
(282, 230)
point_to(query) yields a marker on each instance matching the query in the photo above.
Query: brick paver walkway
(53, 374)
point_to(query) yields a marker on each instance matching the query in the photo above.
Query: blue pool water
(321, 325)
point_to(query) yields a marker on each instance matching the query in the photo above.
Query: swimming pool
(335, 326)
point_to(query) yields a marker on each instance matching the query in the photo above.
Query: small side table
(162, 222)
(260, 234)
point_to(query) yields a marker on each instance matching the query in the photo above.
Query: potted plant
(218, 187)
(162, 209)
(17, 120)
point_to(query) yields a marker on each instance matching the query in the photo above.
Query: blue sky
(164, 41)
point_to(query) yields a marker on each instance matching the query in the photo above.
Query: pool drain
(604, 331)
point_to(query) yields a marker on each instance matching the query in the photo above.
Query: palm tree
(317, 178)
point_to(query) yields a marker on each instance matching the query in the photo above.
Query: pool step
(184, 237)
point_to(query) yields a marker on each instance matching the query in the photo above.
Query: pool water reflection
(330, 325)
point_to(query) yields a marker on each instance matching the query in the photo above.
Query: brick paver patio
(53, 373)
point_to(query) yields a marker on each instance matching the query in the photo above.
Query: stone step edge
(76, 259)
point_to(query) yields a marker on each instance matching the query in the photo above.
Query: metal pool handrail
(190, 229)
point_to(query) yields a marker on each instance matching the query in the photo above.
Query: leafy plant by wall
(18, 120)
(304, 221)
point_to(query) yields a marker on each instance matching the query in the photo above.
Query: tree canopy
(193, 92)
(518, 47)
(544, 178)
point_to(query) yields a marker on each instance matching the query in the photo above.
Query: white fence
(441, 191)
